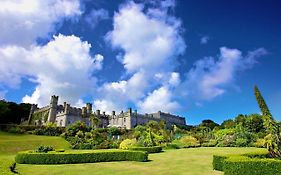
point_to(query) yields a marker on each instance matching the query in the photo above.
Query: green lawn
(193, 161)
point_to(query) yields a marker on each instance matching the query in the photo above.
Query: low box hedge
(80, 156)
(242, 165)
(154, 149)
(247, 164)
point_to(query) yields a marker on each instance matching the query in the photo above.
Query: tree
(209, 124)
(228, 124)
(272, 127)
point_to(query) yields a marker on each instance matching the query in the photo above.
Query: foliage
(11, 112)
(43, 149)
(80, 157)
(209, 124)
(154, 149)
(5, 167)
(273, 141)
(187, 142)
(49, 130)
(72, 129)
(243, 165)
(95, 121)
(260, 143)
(126, 144)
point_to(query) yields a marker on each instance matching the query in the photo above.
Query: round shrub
(127, 143)
(85, 156)
(189, 142)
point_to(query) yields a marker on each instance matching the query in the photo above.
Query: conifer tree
(273, 139)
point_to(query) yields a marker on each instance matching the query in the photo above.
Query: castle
(64, 115)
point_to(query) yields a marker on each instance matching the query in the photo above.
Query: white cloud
(159, 100)
(23, 21)
(149, 54)
(210, 78)
(63, 67)
(204, 39)
(149, 48)
(96, 16)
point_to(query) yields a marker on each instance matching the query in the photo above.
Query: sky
(197, 59)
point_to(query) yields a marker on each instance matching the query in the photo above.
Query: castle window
(124, 119)
(61, 123)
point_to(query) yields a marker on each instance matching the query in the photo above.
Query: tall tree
(272, 127)
(94, 120)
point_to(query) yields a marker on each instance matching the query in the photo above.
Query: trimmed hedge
(238, 165)
(154, 149)
(247, 164)
(73, 156)
(218, 162)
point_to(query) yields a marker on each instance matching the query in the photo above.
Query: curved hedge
(247, 164)
(80, 156)
(242, 165)
(154, 149)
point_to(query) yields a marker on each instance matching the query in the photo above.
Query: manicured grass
(12, 143)
(191, 161)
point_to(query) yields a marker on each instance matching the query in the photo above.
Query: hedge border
(154, 149)
(247, 164)
(79, 156)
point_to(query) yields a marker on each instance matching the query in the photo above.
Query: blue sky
(198, 59)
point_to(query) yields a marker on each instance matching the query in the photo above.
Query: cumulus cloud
(23, 21)
(159, 100)
(210, 78)
(149, 55)
(63, 67)
(95, 16)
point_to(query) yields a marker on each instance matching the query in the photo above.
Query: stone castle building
(64, 115)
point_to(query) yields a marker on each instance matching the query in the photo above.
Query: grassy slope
(196, 161)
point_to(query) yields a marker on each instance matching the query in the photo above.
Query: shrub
(154, 149)
(44, 149)
(241, 142)
(189, 142)
(16, 130)
(211, 143)
(219, 160)
(89, 156)
(171, 146)
(237, 165)
(260, 143)
(126, 144)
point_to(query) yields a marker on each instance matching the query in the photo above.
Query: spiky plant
(273, 139)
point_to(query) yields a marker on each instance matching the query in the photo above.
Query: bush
(44, 149)
(241, 142)
(260, 143)
(219, 161)
(171, 146)
(154, 149)
(16, 130)
(188, 142)
(211, 143)
(237, 165)
(126, 144)
(89, 156)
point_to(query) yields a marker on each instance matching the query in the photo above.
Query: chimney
(130, 110)
(113, 112)
(98, 112)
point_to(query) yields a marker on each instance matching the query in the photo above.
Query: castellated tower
(89, 108)
(53, 108)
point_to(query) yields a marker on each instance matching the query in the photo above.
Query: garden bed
(80, 156)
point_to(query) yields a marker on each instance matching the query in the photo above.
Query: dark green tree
(272, 127)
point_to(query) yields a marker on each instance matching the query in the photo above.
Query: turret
(53, 109)
(98, 112)
(130, 110)
(113, 113)
(89, 108)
